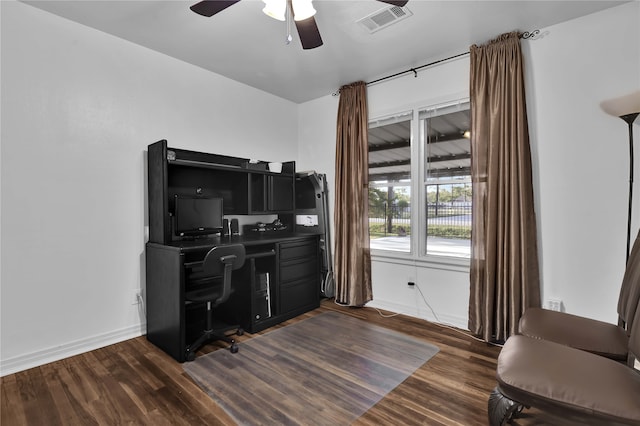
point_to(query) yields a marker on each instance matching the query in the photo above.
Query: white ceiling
(245, 45)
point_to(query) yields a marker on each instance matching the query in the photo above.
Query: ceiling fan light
(302, 9)
(276, 9)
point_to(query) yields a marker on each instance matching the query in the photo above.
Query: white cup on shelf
(275, 167)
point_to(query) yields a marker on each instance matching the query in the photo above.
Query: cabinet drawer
(305, 248)
(292, 271)
(299, 294)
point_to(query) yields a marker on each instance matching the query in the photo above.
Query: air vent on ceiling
(384, 17)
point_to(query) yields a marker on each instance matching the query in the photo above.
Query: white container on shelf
(275, 167)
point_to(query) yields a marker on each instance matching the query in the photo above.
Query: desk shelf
(244, 190)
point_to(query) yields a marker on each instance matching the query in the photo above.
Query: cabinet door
(280, 193)
(298, 295)
(258, 193)
(271, 193)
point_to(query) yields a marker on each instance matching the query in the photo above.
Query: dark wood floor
(133, 382)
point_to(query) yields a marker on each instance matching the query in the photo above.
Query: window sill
(447, 263)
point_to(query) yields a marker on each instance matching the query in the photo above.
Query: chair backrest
(630, 289)
(214, 264)
(634, 340)
(220, 261)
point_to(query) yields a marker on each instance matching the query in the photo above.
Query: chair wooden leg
(502, 409)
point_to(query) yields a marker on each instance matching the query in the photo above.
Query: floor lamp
(628, 108)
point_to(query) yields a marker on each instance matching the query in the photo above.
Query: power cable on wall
(437, 321)
(450, 326)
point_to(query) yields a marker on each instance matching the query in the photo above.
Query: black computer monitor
(197, 216)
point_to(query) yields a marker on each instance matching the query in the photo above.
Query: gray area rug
(326, 370)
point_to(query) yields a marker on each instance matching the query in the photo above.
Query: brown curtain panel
(504, 256)
(352, 269)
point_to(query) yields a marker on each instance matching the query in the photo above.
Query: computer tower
(262, 296)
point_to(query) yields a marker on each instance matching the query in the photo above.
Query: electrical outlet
(411, 280)
(136, 296)
(554, 305)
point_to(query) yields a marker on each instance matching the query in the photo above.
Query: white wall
(579, 154)
(79, 108)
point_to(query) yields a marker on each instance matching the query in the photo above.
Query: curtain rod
(525, 35)
(415, 70)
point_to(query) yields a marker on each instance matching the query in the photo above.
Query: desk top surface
(246, 239)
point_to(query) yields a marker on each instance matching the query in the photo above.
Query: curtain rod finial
(530, 35)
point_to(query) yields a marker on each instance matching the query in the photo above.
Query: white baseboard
(44, 356)
(413, 311)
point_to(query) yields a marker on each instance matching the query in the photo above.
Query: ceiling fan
(278, 9)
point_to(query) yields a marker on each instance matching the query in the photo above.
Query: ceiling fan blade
(395, 3)
(209, 8)
(309, 33)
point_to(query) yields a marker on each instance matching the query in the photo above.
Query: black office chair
(211, 284)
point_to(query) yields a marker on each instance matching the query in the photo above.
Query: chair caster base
(501, 409)
(208, 336)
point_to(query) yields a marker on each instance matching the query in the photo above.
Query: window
(440, 182)
(390, 183)
(447, 180)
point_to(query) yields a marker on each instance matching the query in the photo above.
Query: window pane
(449, 219)
(447, 150)
(390, 183)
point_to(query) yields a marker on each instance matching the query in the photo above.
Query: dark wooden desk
(289, 260)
